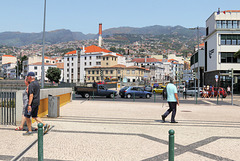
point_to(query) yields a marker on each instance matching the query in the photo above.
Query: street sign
(216, 76)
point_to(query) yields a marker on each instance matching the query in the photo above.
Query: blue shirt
(171, 90)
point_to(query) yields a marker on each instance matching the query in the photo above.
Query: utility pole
(43, 71)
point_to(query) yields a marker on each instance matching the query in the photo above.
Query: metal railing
(8, 108)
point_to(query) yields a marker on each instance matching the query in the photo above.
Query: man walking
(172, 99)
(33, 103)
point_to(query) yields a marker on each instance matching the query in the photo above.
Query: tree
(20, 64)
(237, 54)
(113, 49)
(53, 74)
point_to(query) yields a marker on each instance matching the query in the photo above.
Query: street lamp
(198, 72)
(44, 20)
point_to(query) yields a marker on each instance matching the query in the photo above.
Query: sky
(85, 15)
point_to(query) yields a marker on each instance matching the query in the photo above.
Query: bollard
(40, 142)
(93, 95)
(154, 97)
(133, 97)
(171, 145)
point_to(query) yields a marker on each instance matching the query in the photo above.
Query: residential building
(75, 62)
(117, 72)
(221, 42)
(37, 69)
(9, 70)
(4, 59)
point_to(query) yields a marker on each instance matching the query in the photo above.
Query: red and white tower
(100, 35)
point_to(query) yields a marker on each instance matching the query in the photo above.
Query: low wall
(65, 95)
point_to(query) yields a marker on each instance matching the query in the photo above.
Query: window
(106, 71)
(223, 24)
(106, 63)
(111, 71)
(85, 64)
(88, 78)
(115, 59)
(90, 58)
(72, 64)
(67, 70)
(67, 59)
(47, 61)
(103, 58)
(234, 24)
(35, 68)
(93, 72)
(72, 59)
(229, 58)
(67, 75)
(85, 58)
(92, 78)
(98, 63)
(89, 72)
(229, 24)
(97, 71)
(106, 58)
(97, 78)
(133, 71)
(68, 64)
(227, 39)
(112, 58)
(218, 24)
(35, 73)
(128, 71)
(119, 72)
(90, 63)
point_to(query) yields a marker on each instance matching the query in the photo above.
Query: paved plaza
(123, 130)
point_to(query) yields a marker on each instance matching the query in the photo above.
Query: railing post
(171, 145)
(154, 97)
(133, 97)
(40, 142)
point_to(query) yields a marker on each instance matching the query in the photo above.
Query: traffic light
(230, 72)
(194, 75)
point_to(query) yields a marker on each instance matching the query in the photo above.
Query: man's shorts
(34, 112)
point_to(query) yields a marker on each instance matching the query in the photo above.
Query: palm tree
(237, 54)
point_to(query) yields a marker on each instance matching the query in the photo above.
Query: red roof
(95, 49)
(142, 60)
(72, 52)
(60, 65)
(91, 49)
(9, 56)
(119, 54)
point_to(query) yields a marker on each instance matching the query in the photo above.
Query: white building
(221, 42)
(9, 70)
(37, 69)
(76, 61)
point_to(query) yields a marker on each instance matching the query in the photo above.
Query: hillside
(63, 35)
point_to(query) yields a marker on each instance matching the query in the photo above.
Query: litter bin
(53, 106)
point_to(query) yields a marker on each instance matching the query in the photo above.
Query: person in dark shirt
(33, 103)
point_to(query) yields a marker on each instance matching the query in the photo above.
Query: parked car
(148, 88)
(122, 91)
(192, 90)
(99, 90)
(158, 89)
(222, 91)
(131, 92)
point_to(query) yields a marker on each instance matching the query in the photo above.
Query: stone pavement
(107, 130)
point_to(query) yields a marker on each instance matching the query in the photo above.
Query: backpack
(165, 93)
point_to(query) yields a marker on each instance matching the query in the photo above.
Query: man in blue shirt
(172, 99)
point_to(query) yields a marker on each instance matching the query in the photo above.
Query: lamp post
(43, 71)
(198, 72)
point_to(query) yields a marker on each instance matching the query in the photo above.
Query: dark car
(132, 92)
(148, 88)
(122, 91)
